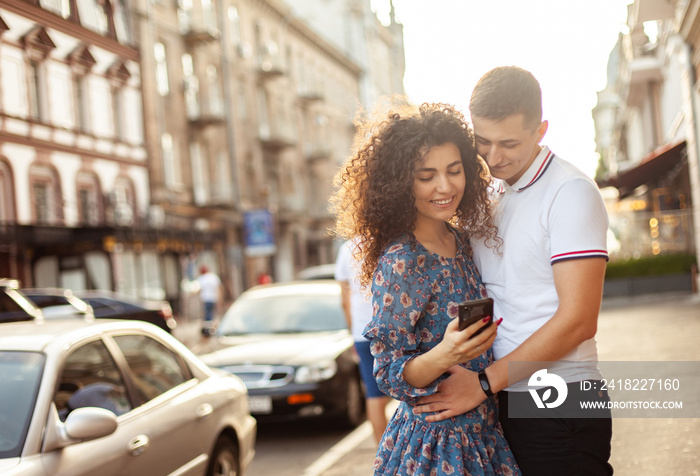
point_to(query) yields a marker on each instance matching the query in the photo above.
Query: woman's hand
(462, 346)
(455, 348)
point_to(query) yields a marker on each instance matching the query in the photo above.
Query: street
(646, 328)
(643, 328)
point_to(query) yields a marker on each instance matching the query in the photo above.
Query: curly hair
(375, 204)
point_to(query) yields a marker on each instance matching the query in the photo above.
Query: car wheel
(224, 459)
(354, 403)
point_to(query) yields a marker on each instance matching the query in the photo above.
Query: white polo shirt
(552, 213)
(348, 269)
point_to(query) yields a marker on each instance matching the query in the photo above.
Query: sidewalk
(653, 327)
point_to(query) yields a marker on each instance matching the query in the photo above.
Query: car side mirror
(89, 423)
(82, 424)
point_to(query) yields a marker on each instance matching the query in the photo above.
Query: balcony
(309, 95)
(196, 36)
(202, 120)
(274, 137)
(314, 152)
(270, 69)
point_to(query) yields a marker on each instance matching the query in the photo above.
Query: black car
(290, 345)
(111, 305)
(58, 303)
(14, 306)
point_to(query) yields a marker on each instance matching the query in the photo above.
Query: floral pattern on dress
(415, 295)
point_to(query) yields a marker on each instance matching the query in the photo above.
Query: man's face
(508, 146)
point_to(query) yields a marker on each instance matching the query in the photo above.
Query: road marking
(340, 449)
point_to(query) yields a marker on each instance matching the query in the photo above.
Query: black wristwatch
(484, 381)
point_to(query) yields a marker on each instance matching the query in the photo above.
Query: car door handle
(138, 445)
(204, 410)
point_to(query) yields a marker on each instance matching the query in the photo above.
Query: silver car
(116, 398)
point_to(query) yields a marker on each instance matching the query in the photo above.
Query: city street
(653, 327)
(642, 328)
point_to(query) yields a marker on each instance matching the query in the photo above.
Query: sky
(449, 44)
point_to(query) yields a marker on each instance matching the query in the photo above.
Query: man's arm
(579, 285)
(345, 299)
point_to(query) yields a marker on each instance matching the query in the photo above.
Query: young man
(358, 312)
(546, 279)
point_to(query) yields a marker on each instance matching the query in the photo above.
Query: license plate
(260, 404)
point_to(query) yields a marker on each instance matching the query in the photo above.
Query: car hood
(277, 349)
(7, 464)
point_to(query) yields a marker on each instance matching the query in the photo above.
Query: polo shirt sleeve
(577, 222)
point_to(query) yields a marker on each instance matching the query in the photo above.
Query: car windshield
(20, 375)
(284, 314)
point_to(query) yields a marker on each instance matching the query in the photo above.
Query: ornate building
(141, 138)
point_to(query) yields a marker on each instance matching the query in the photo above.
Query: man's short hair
(505, 91)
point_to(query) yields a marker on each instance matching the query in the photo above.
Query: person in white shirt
(210, 295)
(357, 307)
(546, 280)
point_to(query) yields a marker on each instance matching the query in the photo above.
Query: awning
(651, 168)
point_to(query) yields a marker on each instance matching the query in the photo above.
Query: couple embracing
(442, 213)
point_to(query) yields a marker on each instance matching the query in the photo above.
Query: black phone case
(472, 311)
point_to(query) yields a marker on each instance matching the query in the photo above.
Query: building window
(184, 15)
(38, 45)
(263, 123)
(208, 16)
(89, 204)
(119, 76)
(123, 201)
(200, 175)
(162, 85)
(216, 104)
(118, 113)
(82, 104)
(42, 212)
(234, 23)
(81, 62)
(37, 91)
(191, 85)
(46, 198)
(171, 168)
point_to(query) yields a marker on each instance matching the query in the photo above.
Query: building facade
(73, 165)
(646, 130)
(140, 139)
(248, 113)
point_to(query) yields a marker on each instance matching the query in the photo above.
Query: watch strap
(485, 385)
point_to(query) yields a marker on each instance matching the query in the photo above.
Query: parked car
(290, 344)
(113, 398)
(58, 303)
(14, 306)
(110, 305)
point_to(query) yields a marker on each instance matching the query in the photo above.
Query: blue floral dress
(415, 295)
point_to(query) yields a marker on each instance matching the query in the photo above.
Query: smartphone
(472, 311)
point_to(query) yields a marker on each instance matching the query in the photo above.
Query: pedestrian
(357, 307)
(210, 295)
(546, 282)
(413, 195)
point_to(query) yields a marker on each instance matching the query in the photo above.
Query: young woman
(412, 196)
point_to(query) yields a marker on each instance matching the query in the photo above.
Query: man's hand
(457, 394)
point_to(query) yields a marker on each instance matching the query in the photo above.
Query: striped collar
(532, 174)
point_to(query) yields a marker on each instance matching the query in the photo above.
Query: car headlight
(316, 372)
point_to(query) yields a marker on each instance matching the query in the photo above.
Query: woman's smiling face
(438, 184)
